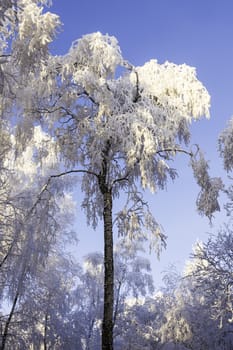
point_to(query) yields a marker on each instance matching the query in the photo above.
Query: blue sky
(198, 33)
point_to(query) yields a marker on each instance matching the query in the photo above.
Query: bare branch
(90, 97)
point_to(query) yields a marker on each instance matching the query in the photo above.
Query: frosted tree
(133, 288)
(210, 274)
(29, 252)
(132, 280)
(42, 318)
(31, 221)
(88, 303)
(121, 132)
(117, 125)
(225, 150)
(200, 314)
(225, 146)
(23, 244)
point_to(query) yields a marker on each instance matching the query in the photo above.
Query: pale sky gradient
(196, 32)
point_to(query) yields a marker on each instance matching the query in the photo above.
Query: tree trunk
(105, 189)
(107, 327)
(5, 333)
(45, 331)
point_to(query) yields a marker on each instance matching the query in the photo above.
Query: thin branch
(160, 153)
(176, 150)
(45, 187)
(8, 321)
(74, 171)
(123, 178)
(90, 97)
(39, 199)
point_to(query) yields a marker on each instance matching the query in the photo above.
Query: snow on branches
(207, 202)
(141, 112)
(100, 108)
(226, 146)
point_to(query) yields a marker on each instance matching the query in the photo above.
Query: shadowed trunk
(107, 326)
(107, 330)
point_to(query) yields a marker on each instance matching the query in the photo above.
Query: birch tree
(200, 312)
(210, 272)
(121, 133)
(132, 280)
(42, 318)
(117, 125)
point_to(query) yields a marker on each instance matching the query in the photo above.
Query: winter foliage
(90, 113)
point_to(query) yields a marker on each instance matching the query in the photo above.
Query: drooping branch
(51, 177)
(38, 200)
(173, 150)
(160, 153)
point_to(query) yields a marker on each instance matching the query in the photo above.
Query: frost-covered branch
(173, 151)
(46, 186)
(207, 202)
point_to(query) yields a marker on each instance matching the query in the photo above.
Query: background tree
(31, 220)
(88, 303)
(198, 313)
(42, 317)
(212, 277)
(132, 280)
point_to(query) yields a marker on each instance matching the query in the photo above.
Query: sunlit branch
(39, 199)
(160, 153)
(176, 150)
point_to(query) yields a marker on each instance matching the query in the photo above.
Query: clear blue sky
(195, 32)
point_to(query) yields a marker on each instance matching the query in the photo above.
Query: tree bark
(107, 327)
(106, 190)
(5, 333)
